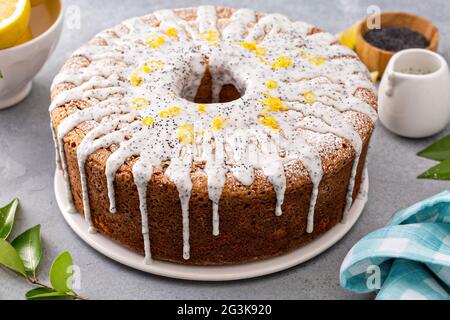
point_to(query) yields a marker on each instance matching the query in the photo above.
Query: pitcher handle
(390, 83)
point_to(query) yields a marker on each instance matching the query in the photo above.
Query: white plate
(125, 256)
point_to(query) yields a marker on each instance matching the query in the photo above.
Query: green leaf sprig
(438, 151)
(23, 255)
(7, 215)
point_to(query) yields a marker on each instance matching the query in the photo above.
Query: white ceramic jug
(414, 94)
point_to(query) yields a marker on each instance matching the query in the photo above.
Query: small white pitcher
(414, 94)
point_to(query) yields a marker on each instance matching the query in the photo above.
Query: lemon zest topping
(310, 97)
(212, 36)
(275, 104)
(185, 133)
(218, 122)
(201, 108)
(260, 51)
(264, 61)
(148, 121)
(304, 54)
(268, 121)
(282, 62)
(164, 114)
(146, 68)
(174, 111)
(171, 32)
(155, 41)
(316, 60)
(170, 112)
(136, 80)
(271, 84)
(139, 103)
(151, 65)
(252, 46)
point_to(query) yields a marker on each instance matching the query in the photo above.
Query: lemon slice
(36, 2)
(27, 36)
(14, 18)
(348, 37)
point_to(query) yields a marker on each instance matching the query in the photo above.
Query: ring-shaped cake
(212, 135)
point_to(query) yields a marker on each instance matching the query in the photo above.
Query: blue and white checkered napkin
(407, 259)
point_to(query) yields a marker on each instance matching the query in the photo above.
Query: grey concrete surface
(27, 167)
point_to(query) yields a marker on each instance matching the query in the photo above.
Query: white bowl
(19, 65)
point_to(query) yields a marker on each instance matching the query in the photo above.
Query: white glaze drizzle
(242, 144)
(238, 24)
(216, 171)
(102, 136)
(299, 148)
(142, 173)
(179, 171)
(206, 18)
(273, 169)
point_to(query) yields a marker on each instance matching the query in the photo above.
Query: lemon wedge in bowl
(14, 18)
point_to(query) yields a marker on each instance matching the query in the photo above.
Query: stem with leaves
(23, 255)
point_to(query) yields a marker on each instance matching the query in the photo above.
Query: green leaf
(439, 151)
(10, 259)
(1, 75)
(28, 246)
(7, 215)
(43, 294)
(61, 273)
(438, 172)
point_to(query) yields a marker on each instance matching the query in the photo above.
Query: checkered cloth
(407, 259)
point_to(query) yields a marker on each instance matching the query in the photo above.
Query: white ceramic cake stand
(127, 257)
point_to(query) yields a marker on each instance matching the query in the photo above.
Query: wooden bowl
(376, 59)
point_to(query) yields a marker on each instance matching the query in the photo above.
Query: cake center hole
(227, 91)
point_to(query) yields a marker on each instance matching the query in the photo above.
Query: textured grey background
(27, 167)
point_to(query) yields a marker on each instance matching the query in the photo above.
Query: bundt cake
(212, 135)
